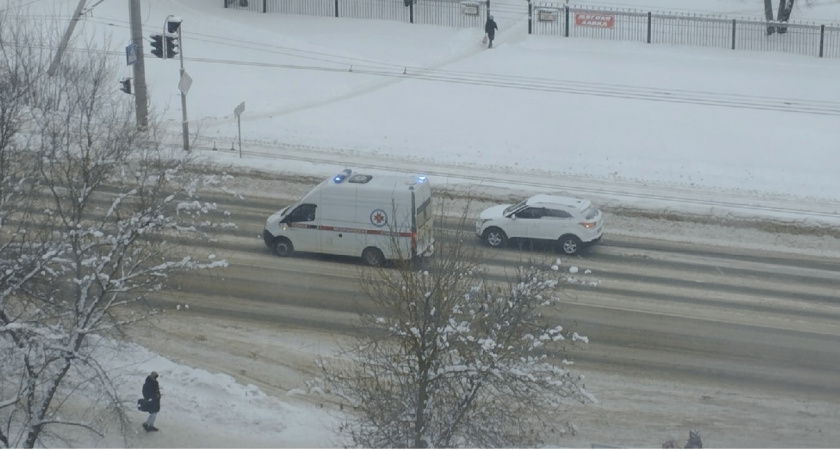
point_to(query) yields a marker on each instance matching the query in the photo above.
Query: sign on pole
(130, 54)
(239, 109)
(185, 83)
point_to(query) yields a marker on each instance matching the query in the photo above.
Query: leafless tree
(452, 356)
(784, 12)
(91, 212)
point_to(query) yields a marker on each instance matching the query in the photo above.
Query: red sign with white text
(594, 20)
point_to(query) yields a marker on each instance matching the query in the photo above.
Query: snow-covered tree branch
(92, 211)
(452, 356)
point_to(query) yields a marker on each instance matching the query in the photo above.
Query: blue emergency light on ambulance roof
(342, 176)
(421, 178)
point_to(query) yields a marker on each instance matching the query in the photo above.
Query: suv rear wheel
(569, 244)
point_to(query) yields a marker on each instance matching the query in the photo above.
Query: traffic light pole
(140, 98)
(186, 123)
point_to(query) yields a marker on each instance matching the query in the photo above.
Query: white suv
(571, 222)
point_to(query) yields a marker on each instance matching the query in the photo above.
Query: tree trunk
(788, 11)
(781, 16)
(43, 409)
(422, 393)
(768, 13)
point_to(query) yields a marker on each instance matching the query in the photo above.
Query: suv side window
(303, 213)
(558, 214)
(530, 213)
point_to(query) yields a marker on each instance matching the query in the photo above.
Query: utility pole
(66, 38)
(141, 102)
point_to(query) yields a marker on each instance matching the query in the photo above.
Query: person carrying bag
(150, 402)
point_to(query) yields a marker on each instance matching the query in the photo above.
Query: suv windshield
(515, 207)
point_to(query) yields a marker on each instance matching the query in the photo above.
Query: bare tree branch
(89, 210)
(452, 356)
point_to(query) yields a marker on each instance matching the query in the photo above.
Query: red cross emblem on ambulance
(378, 218)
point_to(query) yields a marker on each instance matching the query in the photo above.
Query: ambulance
(376, 217)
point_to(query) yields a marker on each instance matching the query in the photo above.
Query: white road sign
(185, 83)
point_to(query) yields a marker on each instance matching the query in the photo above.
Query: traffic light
(172, 25)
(157, 45)
(171, 46)
(126, 85)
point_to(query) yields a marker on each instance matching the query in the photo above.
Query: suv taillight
(588, 224)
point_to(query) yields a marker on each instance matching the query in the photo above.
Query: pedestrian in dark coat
(151, 393)
(490, 28)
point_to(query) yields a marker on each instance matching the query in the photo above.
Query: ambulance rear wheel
(283, 247)
(373, 257)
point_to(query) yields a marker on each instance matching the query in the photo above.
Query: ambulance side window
(303, 213)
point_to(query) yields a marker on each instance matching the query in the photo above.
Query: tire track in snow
(392, 76)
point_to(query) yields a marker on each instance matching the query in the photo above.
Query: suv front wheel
(495, 237)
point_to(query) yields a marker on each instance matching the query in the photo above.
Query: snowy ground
(646, 125)
(323, 93)
(202, 408)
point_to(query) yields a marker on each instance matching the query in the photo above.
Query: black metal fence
(559, 19)
(462, 14)
(683, 29)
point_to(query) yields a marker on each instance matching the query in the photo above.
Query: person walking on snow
(490, 28)
(151, 393)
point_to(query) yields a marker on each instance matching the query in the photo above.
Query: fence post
(226, 3)
(265, 6)
(733, 34)
(822, 39)
(567, 20)
(411, 12)
(530, 16)
(649, 20)
(336, 8)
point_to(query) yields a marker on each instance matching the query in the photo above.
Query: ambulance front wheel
(373, 257)
(283, 247)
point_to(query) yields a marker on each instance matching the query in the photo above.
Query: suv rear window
(590, 213)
